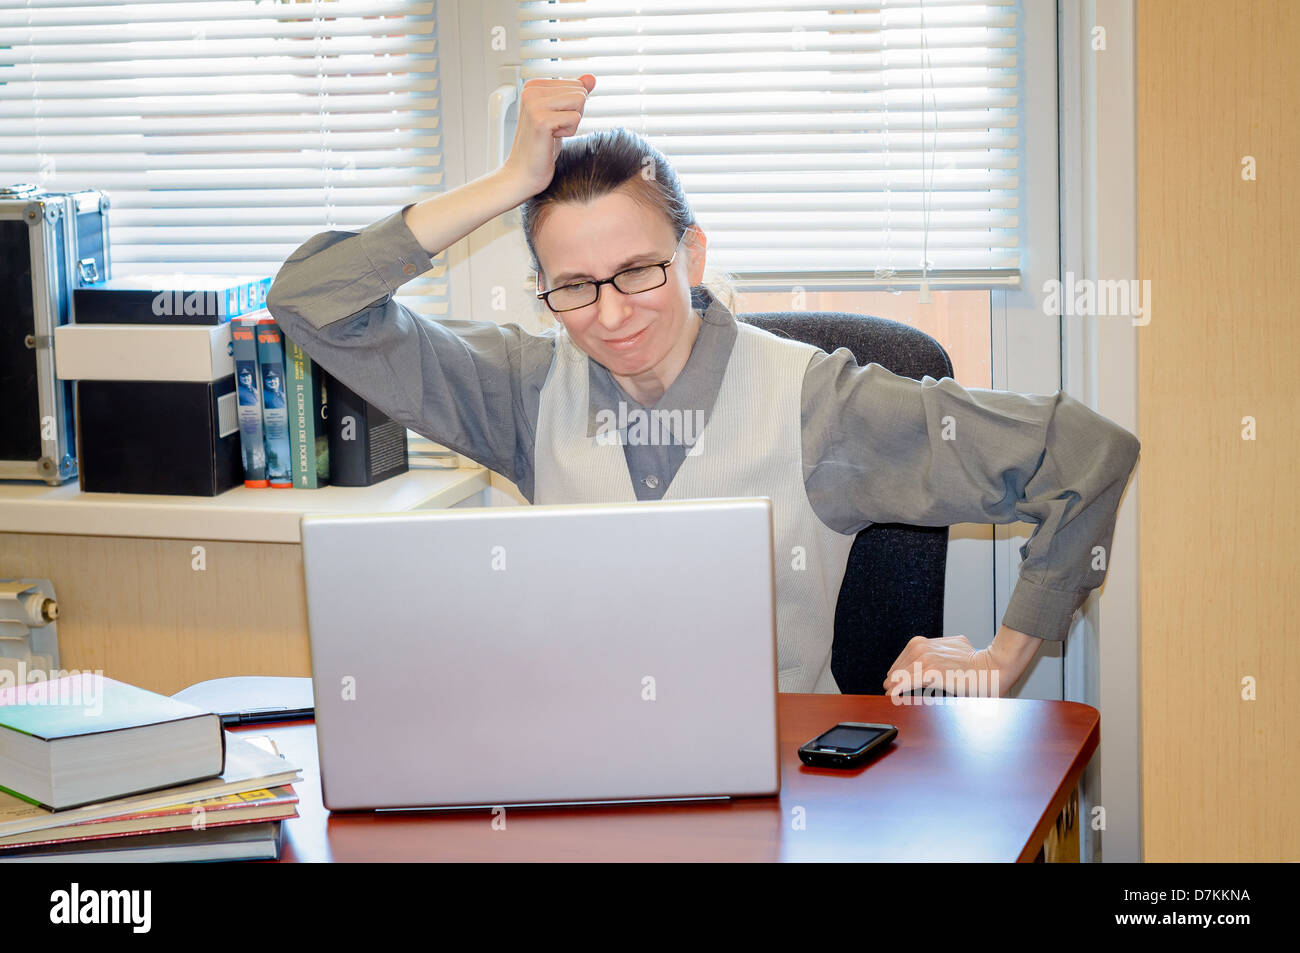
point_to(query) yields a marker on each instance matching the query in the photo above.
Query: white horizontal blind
(226, 132)
(825, 143)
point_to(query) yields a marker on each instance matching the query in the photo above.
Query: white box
(143, 352)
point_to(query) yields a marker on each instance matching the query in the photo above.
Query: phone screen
(850, 739)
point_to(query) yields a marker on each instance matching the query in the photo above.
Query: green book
(309, 439)
(84, 738)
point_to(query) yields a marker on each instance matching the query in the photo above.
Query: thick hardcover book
(309, 438)
(85, 738)
(366, 445)
(169, 299)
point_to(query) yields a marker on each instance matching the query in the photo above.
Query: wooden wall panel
(1219, 521)
(135, 609)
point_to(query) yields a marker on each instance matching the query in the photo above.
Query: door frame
(1099, 239)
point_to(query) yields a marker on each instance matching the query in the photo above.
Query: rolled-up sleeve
(457, 382)
(881, 448)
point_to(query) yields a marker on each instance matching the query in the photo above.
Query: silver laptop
(544, 654)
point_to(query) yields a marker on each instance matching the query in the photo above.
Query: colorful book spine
(248, 381)
(308, 426)
(275, 405)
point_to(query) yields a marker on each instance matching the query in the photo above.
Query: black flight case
(50, 243)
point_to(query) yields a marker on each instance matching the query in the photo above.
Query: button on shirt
(873, 449)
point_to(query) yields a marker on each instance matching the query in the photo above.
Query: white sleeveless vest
(751, 446)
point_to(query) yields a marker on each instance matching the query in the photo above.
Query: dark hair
(596, 164)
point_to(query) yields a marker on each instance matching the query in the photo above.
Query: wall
(1219, 518)
(138, 610)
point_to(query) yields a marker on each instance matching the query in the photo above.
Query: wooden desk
(974, 779)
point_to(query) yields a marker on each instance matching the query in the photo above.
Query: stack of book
(156, 409)
(92, 769)
(299, 426)
(187, 385)
(283, 418)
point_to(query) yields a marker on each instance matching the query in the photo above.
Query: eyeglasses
(631, 281)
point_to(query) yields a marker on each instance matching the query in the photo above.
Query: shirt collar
(695, 388)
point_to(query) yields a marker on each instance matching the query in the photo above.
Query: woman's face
(600, 239)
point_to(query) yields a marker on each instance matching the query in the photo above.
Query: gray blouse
(877, 447)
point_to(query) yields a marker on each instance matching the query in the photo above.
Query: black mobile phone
(847, 745)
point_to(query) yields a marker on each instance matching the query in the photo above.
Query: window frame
(1027, 346)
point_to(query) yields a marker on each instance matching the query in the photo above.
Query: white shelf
(240, 514)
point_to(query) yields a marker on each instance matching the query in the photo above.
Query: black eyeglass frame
(613, 280)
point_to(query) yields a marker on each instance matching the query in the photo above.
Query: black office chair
(894, 581)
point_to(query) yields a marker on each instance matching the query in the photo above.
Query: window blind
(226, 132)
(826, 144)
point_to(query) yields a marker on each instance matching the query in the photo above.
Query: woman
(563, 414)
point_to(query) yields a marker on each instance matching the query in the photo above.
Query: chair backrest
(894, 581)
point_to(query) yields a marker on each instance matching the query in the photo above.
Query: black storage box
(171, 437)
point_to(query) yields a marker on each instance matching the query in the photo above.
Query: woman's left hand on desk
(954, 666)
